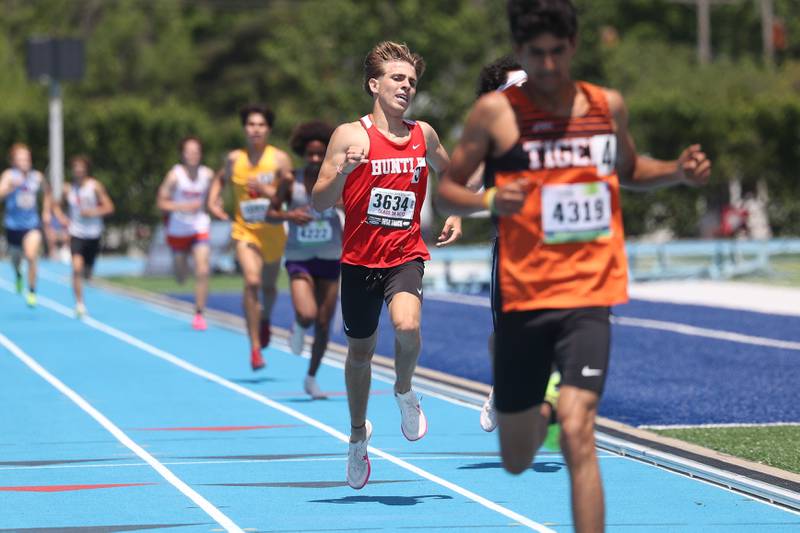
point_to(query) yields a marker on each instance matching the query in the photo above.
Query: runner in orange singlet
(556, 153)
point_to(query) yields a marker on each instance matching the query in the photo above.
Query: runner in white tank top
(312, 251)
(88, 202)
(182, 197)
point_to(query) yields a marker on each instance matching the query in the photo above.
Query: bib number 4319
(576, 212)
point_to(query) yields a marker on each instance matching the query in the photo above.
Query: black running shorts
(86, 248)
(365, 289)
(528, 343)
(15, 237)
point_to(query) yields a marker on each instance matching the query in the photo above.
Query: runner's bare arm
(439, 160)
(347, 149)
(692, 167)
(47, 200)
(283, 195)
(6, 184)
(105, 205)
(284, 177)
(164, 199)
(214, 202)
(475, 182)
(476, 143)
(58, 207)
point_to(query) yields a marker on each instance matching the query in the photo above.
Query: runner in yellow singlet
(255, 173)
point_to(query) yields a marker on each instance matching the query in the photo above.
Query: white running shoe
(412, 420)
(312, 389)
(488, 413)
(297, 339)
(80, 310)
(358, 467)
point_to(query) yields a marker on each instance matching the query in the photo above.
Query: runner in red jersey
(379, 167)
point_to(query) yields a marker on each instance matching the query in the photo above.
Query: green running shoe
(30, 299)
(19, 284)
(551, 441)
(552, 391)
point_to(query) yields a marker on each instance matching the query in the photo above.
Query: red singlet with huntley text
(382, 201)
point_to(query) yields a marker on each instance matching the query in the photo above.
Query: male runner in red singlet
(379, 167)
(556, 153)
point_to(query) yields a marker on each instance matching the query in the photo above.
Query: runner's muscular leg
(358, 378)
(201, 253)
(521, 434)
(30, 248)
(305, 305)
(77, 276)
(181, 262)
(405, 310)
(269, 280)
(249, 257)
(577, 409)
(325, 296)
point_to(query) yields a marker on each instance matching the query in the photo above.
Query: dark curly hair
(303, 134)
(261, 109)
(530, 18)
(495, 74)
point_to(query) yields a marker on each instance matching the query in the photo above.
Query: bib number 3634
(576, 212)
(390, 208)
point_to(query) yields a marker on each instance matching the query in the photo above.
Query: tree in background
(160, 70)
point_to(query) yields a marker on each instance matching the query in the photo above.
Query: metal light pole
(52, 61)
(704, 31)
(767, 28)
(56, 144)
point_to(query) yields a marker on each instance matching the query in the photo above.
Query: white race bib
(254, 210)
(576, 212)
(26, 200)
(390, 208)
(315, 232)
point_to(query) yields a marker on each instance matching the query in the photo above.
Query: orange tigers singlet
(565, 248)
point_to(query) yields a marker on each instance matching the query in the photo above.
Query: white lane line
(716, 426)
(185, 365)
(673, 327)
(109, 426)
(419, 385)
(694, 331)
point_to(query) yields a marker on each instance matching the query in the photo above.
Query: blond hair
(385, 52)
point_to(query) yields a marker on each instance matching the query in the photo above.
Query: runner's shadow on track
(255, 381)
(312, 400)
(543, 467)
(386, 500)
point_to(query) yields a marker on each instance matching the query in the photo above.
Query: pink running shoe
(199, 323)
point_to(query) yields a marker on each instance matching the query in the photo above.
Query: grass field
(784, 269)
(785, 272)
(168, 285)
(770, 445)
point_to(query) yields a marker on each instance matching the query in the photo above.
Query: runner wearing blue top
(313, 250)
(20, 187)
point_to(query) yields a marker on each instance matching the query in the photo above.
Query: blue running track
(656, 377)
(130, 420)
